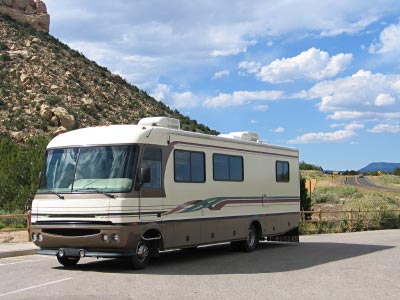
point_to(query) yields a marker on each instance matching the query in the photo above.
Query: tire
(68, 261)
(250, 243)
(142, 254)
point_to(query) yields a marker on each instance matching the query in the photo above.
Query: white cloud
(220, 74)
(176, 100)
(384, 100)
(184, 37)
(254, 122)
(279, 130)
(250, 66)
(363, 95)
(389, 40)
(350, 28)
(312, 64)
(382, 128)
(261, 107)
(242, 97)
(328, 137)
(323, 137)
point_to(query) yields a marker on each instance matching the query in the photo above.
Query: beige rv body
(177, 214)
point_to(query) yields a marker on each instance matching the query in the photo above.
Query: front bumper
(88, 238)
(72, 252)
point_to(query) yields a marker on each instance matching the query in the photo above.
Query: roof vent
(161, 122)
(242, 135)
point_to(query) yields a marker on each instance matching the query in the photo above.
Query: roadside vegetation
(19, 168)
(352, 208)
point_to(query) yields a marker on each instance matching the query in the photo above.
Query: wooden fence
(348, 220)
(19, 222)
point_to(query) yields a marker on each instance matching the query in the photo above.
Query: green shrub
(53, 100)
(19, 168)
(3, 46)
(5, 57)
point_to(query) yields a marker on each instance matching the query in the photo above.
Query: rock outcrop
(32, 12)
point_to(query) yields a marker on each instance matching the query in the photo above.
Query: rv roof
(132, 134)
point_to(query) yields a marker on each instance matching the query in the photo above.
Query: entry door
(151, 194)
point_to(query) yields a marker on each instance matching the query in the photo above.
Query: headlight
(105, 238)
(116, 238)
(40, 237)
(34, 237)
(61, 253)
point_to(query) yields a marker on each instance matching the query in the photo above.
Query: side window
(189, 166)
(152, 160)
(282, 171)
(227, 167)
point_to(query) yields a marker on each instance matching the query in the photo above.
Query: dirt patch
(14, 236)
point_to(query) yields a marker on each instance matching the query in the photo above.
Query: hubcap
(251, 238)
(142, 251)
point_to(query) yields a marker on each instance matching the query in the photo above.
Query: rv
(130, 191)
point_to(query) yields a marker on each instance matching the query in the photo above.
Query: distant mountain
(380, 166)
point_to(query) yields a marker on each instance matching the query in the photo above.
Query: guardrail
(17, 222)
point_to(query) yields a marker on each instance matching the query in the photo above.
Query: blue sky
(320, 76)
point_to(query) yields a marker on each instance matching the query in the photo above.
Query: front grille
(71, 231)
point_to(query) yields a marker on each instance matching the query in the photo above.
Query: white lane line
(35, 286)
(24, 261)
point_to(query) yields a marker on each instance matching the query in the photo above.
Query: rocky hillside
(47, 88)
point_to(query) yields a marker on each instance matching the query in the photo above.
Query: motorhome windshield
(88, 170)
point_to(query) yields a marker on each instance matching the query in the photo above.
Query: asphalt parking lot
(361, 265)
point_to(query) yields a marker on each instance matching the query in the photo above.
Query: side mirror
(145, 176)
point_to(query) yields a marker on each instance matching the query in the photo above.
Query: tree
(396, 172)
(19, 168)
(305, 166)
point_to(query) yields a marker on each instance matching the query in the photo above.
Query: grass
(386, 180)
(331, 195)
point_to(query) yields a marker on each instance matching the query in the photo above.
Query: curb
(17, 253)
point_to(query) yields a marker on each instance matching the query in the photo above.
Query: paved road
(365, 182)
(363, 265)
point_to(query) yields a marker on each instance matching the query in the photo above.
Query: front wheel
(68, 261)
(142, 254)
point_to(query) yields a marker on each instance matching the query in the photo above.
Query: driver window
(152, 160)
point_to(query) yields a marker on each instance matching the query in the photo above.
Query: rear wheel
(142, 254)
(68, 261)
(250, 243)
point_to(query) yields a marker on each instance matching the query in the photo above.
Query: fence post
(351, 219)
(319, 215)
(29, 225)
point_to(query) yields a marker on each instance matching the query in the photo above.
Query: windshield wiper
(97, 191)
(58, 195)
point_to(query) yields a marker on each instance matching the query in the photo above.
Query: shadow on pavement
(269, 257)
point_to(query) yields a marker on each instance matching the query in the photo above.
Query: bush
(5, 57)
(19, 168)
(305, 201)
(53, 100)
(3, 46)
